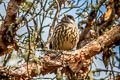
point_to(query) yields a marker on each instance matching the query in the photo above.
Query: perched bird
(65, 35)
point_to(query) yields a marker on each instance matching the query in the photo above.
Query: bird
(65, 35)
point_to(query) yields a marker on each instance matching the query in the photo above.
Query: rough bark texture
(6, 30)
(78, 62)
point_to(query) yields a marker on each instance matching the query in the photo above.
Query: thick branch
(78, 61)
(89, 24)
(6, 28)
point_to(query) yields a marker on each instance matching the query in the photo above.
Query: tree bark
(6, 30)
(78, 61)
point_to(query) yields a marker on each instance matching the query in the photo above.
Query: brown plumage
(65, 35)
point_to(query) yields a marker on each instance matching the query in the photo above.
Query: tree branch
(89, 24)
(78, 61)
(6, 30)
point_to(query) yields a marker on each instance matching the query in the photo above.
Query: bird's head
(68, 19)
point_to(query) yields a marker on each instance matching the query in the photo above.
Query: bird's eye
(71, 17)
